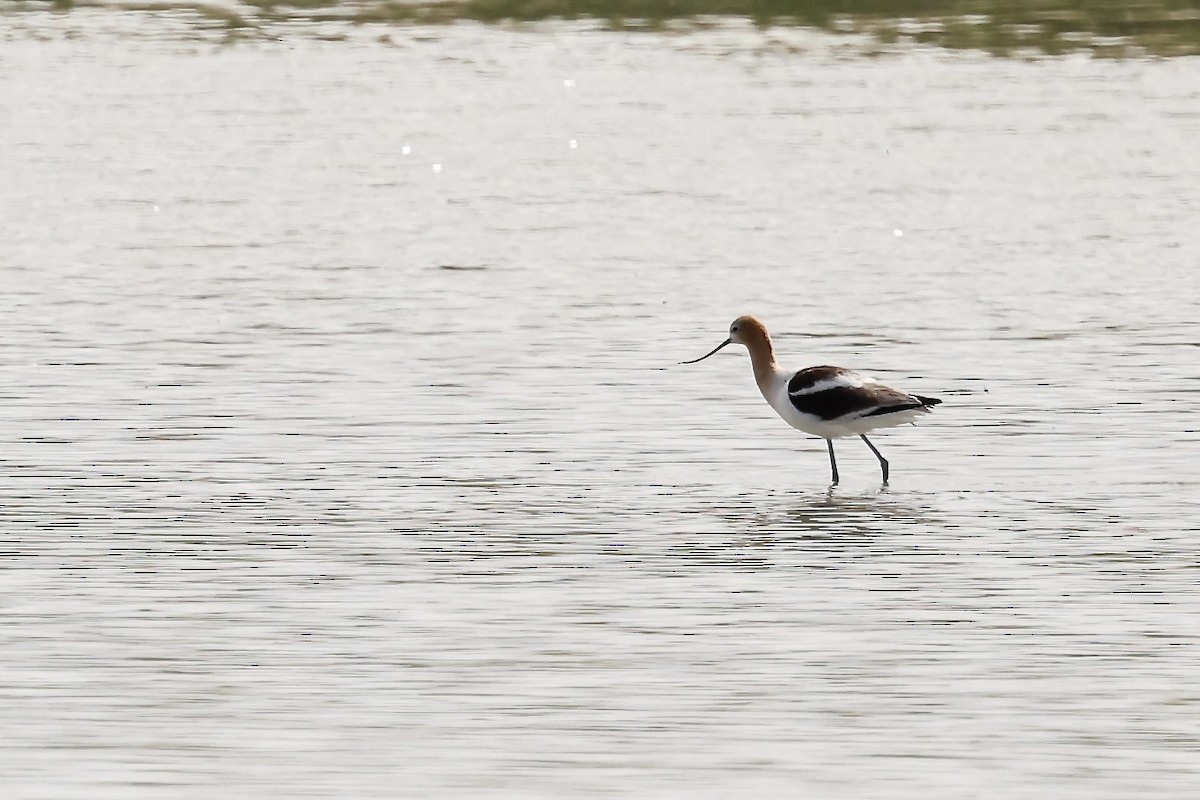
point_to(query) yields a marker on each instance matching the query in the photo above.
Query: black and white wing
(833, 393)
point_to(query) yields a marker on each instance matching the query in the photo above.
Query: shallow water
(330, 474)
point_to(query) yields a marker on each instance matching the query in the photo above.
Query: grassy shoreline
(1105, 28)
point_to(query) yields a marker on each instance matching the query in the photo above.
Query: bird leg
(833, 461)
(882, 461)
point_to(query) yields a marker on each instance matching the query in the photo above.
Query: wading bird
(829, 402)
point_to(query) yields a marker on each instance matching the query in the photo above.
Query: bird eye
(733, 329)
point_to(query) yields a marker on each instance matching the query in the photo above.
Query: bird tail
(928, 402)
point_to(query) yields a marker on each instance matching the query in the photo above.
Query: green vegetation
(1001, 27)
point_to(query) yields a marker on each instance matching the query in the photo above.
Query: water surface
(345, 453)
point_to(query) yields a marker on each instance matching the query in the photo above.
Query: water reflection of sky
(326, 473)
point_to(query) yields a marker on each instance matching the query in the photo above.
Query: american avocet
(829, 402)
